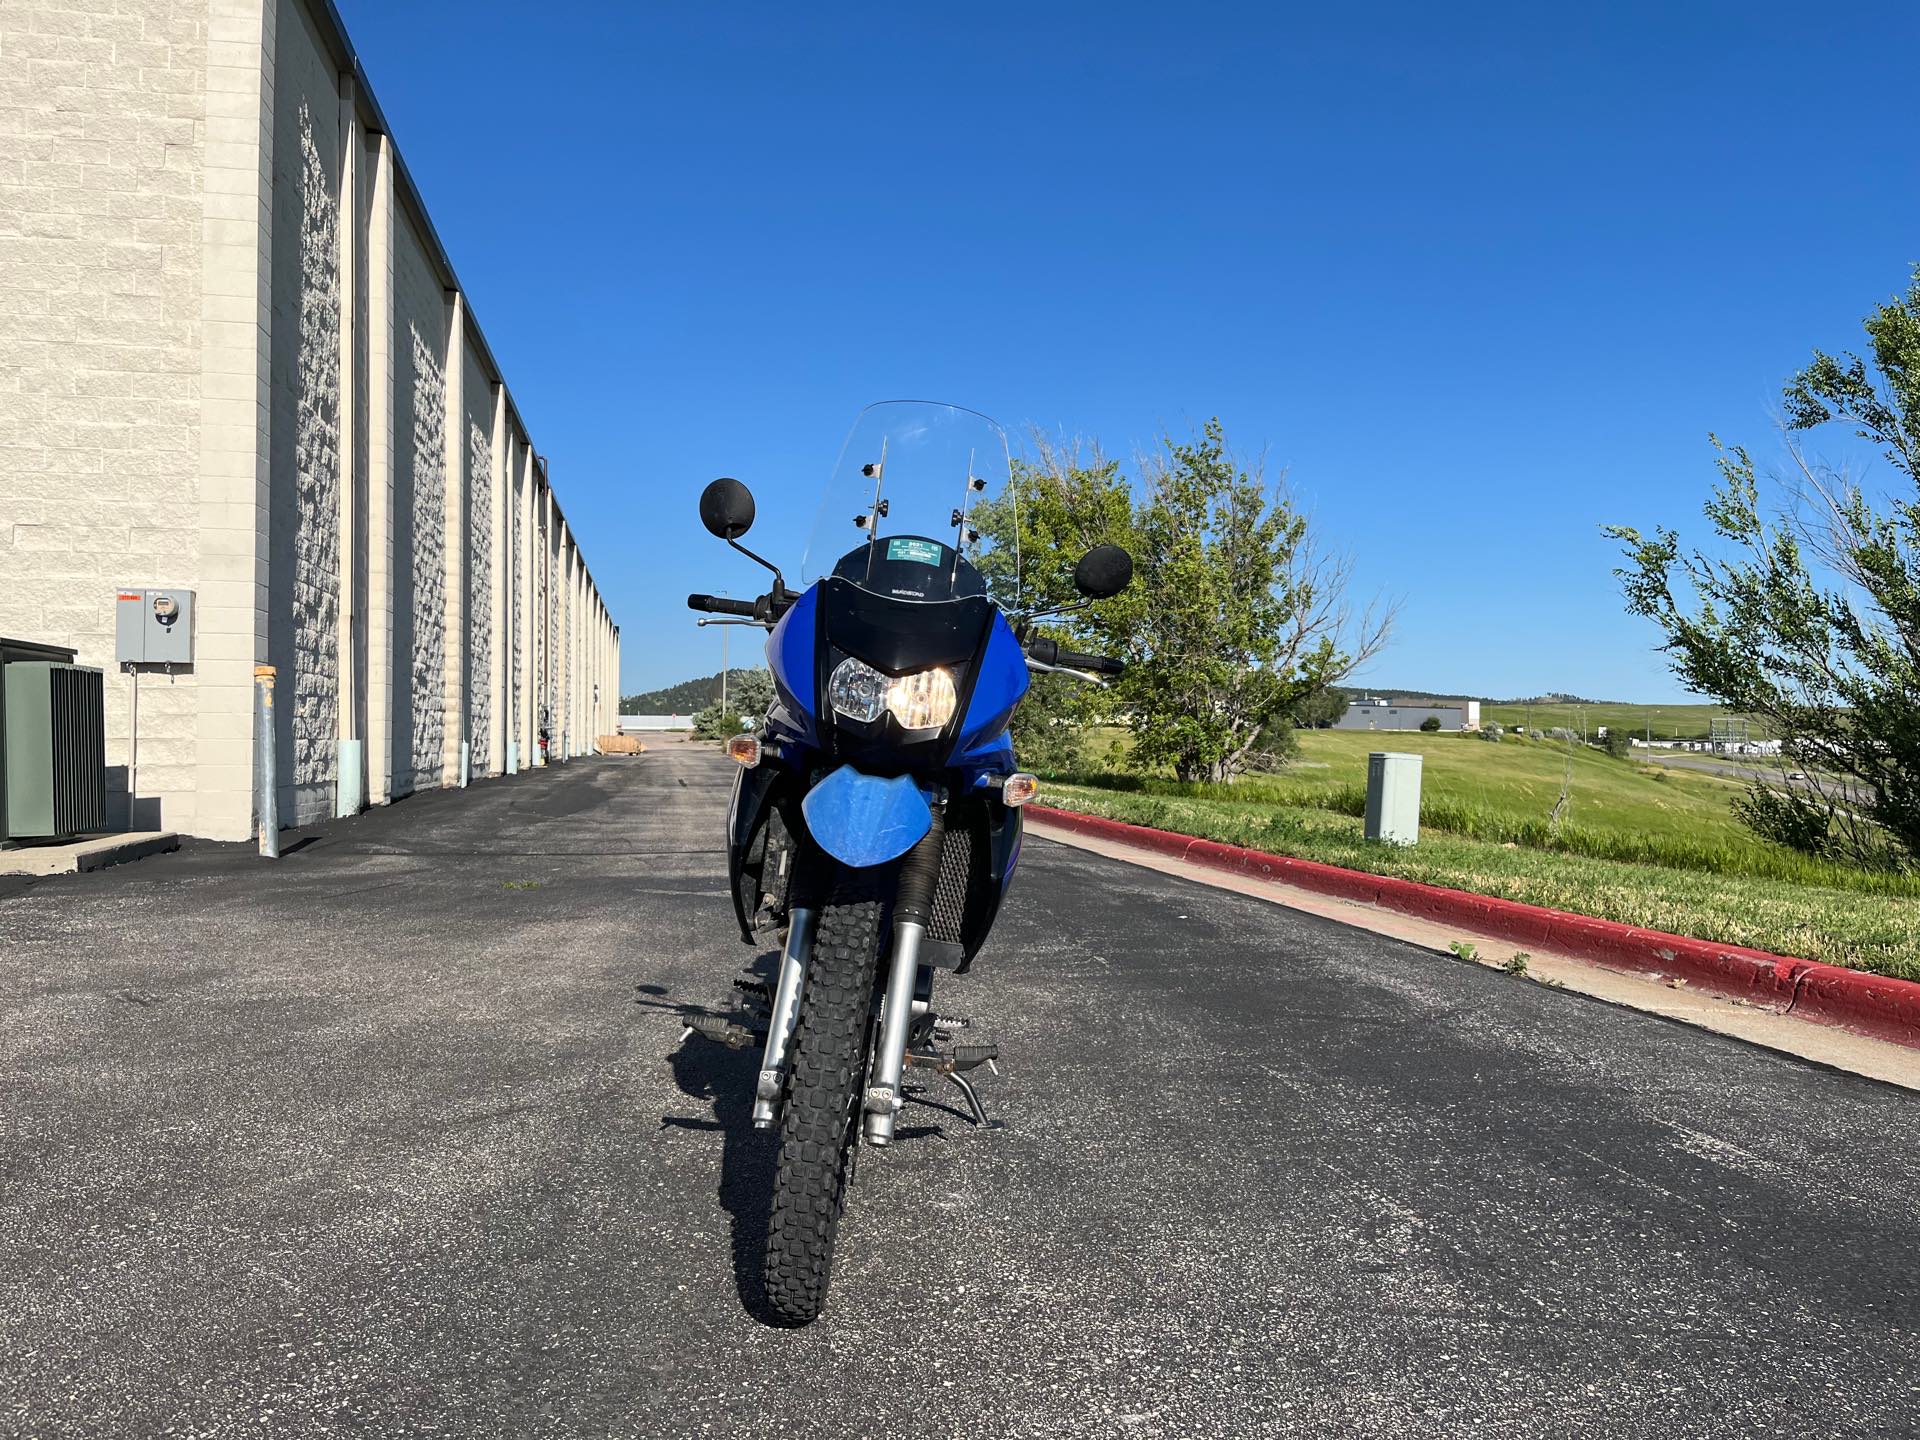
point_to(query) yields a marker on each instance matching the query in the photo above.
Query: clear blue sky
(1482, 277)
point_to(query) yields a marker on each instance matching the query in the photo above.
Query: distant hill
(686, 698)
(1454, 697)
(1417, 697)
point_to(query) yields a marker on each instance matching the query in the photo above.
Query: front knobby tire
(820, 1121)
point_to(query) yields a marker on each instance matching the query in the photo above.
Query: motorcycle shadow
(725, 1079)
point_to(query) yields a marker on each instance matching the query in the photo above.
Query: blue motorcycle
(875, 819)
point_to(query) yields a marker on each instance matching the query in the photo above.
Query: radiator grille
(949, 895)
(54, 750)
(78, 705)
(956, 874)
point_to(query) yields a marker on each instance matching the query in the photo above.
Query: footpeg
(726, 1032)
(961, 1057)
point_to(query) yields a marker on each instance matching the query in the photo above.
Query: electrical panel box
(154, 627)
(1393, 798)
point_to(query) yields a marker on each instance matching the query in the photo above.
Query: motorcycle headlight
(857, 690)
(922, 702)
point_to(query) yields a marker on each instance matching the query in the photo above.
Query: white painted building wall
(234, 358)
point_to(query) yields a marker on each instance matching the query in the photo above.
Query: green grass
(1668, 722)
(1639, 845)
(1616, 809)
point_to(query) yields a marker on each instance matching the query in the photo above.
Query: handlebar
(765, 609)
(1048, 652)
(718, 605)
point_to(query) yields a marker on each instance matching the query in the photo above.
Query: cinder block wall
(235, 358)
(102, 192)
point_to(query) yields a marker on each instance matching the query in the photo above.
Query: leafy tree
(1320, 710)
(716, 722)
(1812, 622)
(1618, 742)
(1237, 613)
(749, 694)
(1058, 506)
(1276, 747)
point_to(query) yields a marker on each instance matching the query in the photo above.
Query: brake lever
(1039, 667)
(718, 620)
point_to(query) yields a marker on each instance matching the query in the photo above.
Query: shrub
(714, 723)
(1277, 744)
(1617, 742)
(1431, 724)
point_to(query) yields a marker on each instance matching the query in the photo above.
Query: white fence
(631, 724)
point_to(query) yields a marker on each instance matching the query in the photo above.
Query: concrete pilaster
(350, 771)
(380, 480)
(562, 680)
(524, 715)
(236, 386)
(550, 564)
(500, 577)
(453, 710)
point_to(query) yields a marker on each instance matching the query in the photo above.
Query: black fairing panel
(1003, 833)
(902, 635)
(757, 794)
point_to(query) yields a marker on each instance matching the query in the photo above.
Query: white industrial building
(237, 369)
(1377, 712)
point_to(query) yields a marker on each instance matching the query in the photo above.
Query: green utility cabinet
(53, 771)
(1393, 798)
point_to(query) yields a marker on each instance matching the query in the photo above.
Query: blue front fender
(862, 820)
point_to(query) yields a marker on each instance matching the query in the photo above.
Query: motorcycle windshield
(920, 507)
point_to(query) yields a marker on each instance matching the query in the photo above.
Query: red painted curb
(1875, 1005)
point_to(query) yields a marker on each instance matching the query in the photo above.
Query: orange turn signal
(745, 749)
(1019, 787)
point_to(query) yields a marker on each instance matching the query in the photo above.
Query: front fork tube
(912, 908)
(786, 1007)
(896, 1016)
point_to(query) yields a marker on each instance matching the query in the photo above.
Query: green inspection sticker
(924, 552)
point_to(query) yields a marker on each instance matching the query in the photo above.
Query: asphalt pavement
(400, 1136)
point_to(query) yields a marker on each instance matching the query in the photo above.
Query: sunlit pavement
(400, 1136)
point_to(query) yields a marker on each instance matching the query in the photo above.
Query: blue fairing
(790, 651)
(861, 820)
(1001, 683)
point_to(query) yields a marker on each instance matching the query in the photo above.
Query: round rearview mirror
(1103, 571)
(726, 508)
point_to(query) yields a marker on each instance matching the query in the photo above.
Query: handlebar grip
(1048, 652)
(719, 605)
(1097, 664)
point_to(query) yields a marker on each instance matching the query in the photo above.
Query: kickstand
(973, 1098)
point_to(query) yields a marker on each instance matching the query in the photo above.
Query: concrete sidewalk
(95, 852)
